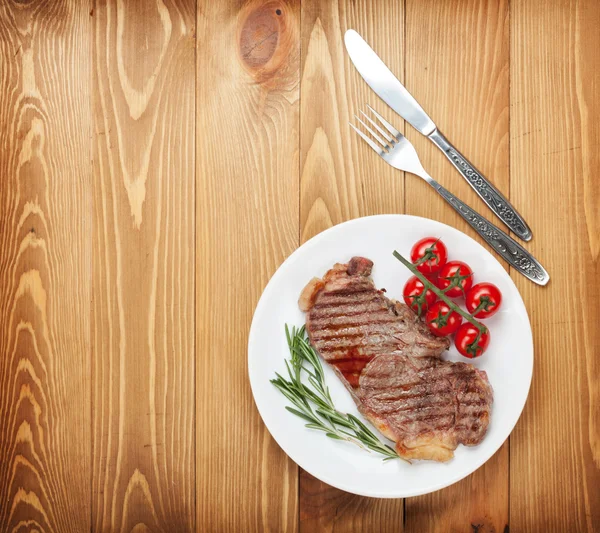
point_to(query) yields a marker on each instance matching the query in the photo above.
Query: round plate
(508, 361)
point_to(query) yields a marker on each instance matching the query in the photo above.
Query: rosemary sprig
(312, 402)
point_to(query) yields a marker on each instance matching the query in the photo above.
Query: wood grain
(555, 136)
(160, 159)
(45, 186)
(341, 179)
(247, 223)
(143, 267)
(457, 67)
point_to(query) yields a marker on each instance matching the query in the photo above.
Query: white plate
(508, 361)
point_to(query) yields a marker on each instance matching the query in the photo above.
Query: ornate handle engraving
(505, 245)
(489, 194)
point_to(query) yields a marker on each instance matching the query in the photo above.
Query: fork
(397, 151)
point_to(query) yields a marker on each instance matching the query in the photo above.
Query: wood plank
(342, 179)
(247, 224)
(555, 135)
(45, 188)
(325, 508)
(143, 266)
(457, 66)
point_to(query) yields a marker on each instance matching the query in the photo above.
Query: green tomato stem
(428, 285)
(472, 346)
(484, 303)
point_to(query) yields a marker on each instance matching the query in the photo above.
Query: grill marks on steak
(427, 406)
(350, 322)
(390, 362)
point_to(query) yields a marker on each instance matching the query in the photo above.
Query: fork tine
(372, 133)
(378, 149)
(386, 135)
(387, 125)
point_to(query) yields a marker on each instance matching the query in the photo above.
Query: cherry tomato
(429, 255)
(455, 278)
(483, 300)
(469, 342)
(432, 277)
(442, 320)
(416, 296)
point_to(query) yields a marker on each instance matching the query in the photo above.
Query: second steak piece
(425, 405)
(349, 321)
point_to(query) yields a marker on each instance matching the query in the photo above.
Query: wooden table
(158, 162)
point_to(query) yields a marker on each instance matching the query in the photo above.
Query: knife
(381, 79)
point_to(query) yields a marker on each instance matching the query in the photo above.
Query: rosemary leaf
(316, 426)
(299, 413)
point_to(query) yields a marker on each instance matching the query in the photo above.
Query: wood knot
(268, 42)
(483, 526)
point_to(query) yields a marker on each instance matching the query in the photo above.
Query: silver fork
(397, 151)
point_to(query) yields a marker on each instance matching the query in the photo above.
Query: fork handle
(505, 246)
(488, 193)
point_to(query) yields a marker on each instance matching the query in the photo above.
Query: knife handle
(502, 243)
(488, 193)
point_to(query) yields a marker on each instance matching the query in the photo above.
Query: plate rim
(324, 478)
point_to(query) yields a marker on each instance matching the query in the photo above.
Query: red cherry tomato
(442, 320)
(483, 300)
(416, 296)
(432, 277)
(469, 342)
(429, 255)
(455, 278)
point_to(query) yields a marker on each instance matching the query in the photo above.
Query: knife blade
(381, 79)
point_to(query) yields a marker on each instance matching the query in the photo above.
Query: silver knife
(381, 79)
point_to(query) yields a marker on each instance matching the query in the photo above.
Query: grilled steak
(426, 405)
(389, 361)
(349, 321)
